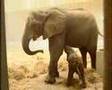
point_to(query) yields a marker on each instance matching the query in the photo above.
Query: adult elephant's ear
(55, 24)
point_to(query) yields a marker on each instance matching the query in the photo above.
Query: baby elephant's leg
(80, 71)
(70, 76)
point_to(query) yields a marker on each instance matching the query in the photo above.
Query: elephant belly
(76, 42)
(78, 39)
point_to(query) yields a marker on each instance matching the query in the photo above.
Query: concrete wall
(100, 62)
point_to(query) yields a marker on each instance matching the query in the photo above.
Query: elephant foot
(83, 84)
(94, 68)
(50, 79)
(56, 74)
(69, 82)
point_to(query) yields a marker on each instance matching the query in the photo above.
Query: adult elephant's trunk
(25, 45)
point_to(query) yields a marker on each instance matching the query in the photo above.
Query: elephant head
(42, 23)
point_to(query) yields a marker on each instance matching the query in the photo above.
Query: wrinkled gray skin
(75, 66)
(75, 28)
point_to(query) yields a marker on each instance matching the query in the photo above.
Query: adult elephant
(75, 28)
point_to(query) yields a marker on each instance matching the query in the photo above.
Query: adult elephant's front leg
(56, 45)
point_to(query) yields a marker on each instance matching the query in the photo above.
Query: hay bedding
(21, 78)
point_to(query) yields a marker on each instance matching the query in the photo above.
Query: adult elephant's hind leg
(93, 58)
(56, 45)
(84, 53)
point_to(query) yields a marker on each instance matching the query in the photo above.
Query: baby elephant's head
(74, 59)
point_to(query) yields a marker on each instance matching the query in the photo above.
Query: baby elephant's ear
(55, 24)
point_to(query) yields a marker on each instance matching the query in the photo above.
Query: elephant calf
(75, 65)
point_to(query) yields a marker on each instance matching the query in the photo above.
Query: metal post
(3, 64)
(108, 44)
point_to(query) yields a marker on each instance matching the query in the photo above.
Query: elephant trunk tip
(33, 52)
(41, 51)
(25, 45)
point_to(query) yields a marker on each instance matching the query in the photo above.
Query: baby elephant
(75, 65)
